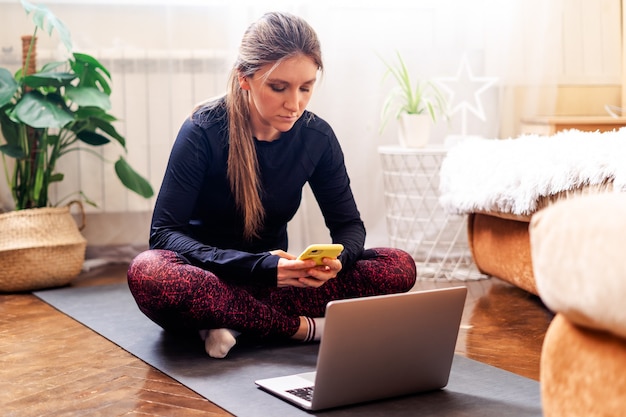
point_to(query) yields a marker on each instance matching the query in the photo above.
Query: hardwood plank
(502, 325)
(52, 365)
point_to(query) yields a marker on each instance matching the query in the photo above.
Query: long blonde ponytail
(243, 171)
(273, 38)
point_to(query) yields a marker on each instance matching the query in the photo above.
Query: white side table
(416, 222)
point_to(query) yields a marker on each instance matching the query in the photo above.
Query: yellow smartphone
(321, 250)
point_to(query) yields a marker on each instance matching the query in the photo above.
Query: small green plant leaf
(52, 66)
(108, 128)
(49, 79)
(10, 129)
(41, 14)
(87, 200)
(92, 138)
(13, 151)
(8, 86)
(91, 72)
(84, 113)
(58, 177)
(88, 97)
(39, 111)
(132, 180)
(88, 60)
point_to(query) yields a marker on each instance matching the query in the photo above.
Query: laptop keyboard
(305, 393)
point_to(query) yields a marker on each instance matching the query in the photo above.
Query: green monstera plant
(61, 108)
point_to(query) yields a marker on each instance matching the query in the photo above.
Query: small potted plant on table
(416, 104)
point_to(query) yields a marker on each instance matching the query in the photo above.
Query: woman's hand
(304, 273)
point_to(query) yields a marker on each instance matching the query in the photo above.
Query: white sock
(218, 342)
(316, 329)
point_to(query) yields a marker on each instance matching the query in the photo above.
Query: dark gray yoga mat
(474, 389)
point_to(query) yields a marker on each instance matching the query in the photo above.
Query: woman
(218, 260)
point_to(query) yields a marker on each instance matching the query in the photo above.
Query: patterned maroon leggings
(182, 297)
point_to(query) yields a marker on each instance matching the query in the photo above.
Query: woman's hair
(270, 40)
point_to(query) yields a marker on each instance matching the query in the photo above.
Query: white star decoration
(464, 90)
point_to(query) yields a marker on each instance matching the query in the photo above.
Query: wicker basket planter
(39, 248)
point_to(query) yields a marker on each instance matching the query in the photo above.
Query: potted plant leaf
(46, 114)
(416, 104)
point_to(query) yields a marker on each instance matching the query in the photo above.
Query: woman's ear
(243, 82)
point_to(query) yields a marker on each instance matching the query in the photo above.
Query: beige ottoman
(578, 249)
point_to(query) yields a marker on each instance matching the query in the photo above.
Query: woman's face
(278, 97)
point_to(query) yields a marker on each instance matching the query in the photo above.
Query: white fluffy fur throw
(509, 175)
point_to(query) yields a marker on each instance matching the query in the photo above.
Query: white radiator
(153, 92)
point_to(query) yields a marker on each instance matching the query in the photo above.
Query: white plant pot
(414, 130)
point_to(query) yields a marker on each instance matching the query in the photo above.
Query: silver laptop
(379, 347)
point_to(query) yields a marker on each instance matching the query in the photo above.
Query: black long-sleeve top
(195, 213)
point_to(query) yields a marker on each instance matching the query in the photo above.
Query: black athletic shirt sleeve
(195, 213)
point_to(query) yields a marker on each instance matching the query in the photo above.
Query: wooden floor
(50, 365)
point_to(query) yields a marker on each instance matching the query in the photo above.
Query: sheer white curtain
(509, 43)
